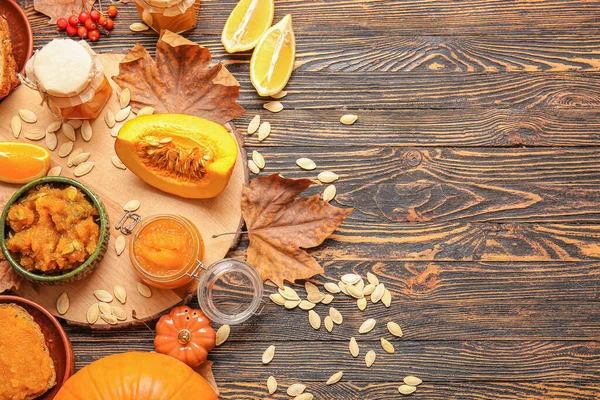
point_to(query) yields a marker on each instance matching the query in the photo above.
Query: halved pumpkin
(180, 154)
(22, 162)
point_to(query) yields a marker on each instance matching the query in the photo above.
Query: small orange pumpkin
(185, 334)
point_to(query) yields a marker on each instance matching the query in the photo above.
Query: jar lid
(230, 291)
(63, 67)
(163, 3)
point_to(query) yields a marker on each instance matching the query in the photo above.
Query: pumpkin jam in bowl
(54, 230)
(165, 250)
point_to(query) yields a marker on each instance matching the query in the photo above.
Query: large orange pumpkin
(136, 376)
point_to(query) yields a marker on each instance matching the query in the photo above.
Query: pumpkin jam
(54, 229)
(26, 369)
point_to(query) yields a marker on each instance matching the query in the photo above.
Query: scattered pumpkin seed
(132, 205)
(69, 132)
(327, 299)
(394, 329)
(412, 380)
(315, 297)
(83, 169)
(271, 384)
(53, 126)
(86, 131)
(80, 159)
(116, 161)
(310, 287)
(367, 326)
(350, 279)
(277, 299)
(264, 131)
(332, 287)
(124, 97)
(138, 27)
(378, 293)
(343, 288)
(253, 167)
(386, 299)
(114, 132)
(273, 106)
(369, 289)
(291, 304)
(370, 358)
(306, 305)
(329, 193)
(72, 156)
(288, 293)
(75, 123)
(361, 304)
(35, 134)
(335, 378)
(51, 141)
(109, 319)
(327, 177)
(253, 125)
(296, 389)
(27, 116)
(145, 111)
(120, 244)
(109, 118)
(407, 389)
(305, 396)
(354, 349)
(104, 308)
(123, 114)
(268, 355)
(387, 346)
(144, 290)
(103, 295)
(360, 285)
(372, 279)
(16, 125)
(336, 316)
(92, 314)
(258, 159)
(314, 319)
(348, 119)
(328, 322)
(165, 140)
(65, 149)
(120, 293)
(354, 291)
(222, 334)
(119, 313)
(279, 95)
(306, 163)
(62, 304)
(54, 171)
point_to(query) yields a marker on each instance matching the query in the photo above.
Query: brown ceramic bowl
(21, 35)
(57, 341)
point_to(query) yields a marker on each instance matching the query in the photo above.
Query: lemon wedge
(273, 60)
(246, 24)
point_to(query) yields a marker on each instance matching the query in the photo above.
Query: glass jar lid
(230, 291)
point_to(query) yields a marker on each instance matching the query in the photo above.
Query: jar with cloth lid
(174, 15)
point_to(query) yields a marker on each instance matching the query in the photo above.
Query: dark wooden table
(475, 173)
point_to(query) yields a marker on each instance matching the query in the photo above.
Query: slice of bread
(8, 65)
(23, 336)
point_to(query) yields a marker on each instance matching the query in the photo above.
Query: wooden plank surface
(474, 171)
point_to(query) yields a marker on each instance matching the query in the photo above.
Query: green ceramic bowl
(84, 269)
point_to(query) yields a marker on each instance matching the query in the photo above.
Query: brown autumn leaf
(181, 80)
(280, 225)
(9, 278)
(205, 370)
(61, 8)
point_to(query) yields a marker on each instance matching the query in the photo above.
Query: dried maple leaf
(280, 225)
(181, 80)
(62, 8)
(205, 370)
(9, 278)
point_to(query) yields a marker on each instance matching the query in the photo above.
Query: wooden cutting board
(115, 188)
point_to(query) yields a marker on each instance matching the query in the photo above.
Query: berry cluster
(89, 25)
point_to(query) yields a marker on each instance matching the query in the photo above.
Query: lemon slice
(273, 59)
(246, 24)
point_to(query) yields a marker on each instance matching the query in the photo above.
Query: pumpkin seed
(314, 319)
(360, 285)
(280, 95)
(62, 304)
(103, 295)
(412, 380)
(72, 156)
(350, 279)
(264, 131)
(123, 114)
(35, 134)
(355, 292)
(361, 304)
(109, 319)
(83, 169)
(329, 193)
(348, 119)
(120, 293)
(288, 293)
(138, 27)
(327, 299)
(69, 132)
(16, 125)
(335, 378)
(407, 389)
(145, 111)
(86, 131)
(92, 314)
(132, 205)
(306, 305)
(277, 299)
(271, 384)
(315, 297)
(367, 326)
(165, 140)
(120, 244)
(80, 159)
(386, 299)
(291, 304)
(268, 355)
(378, 293)
(369, 289)
(144, 290)
(51, 141)
(253, 125)
(343, 288)
(104, 308)
(332, 287)
(328, 322)
(372, 279)
(336, 316)
(258, 159)
(253, 167)
(354, 349)
(109, 118)
(124, 97)
(306, 163)
(54, 171)
(117, 162)
(273, 106)
(65, 149)
(53, 126)
(27, 116)
(387, 346)
(114, 132)
(119, 313)
(310, 287)
(394, 329)
(370, 358)
(296, 389)
(75, 123)
(305, 396)
(222, 334)
(327, 177)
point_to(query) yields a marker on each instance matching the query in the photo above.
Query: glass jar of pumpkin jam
(165, 250)
(174, 15)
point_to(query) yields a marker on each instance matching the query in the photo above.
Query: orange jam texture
(177, 23)
(164, 247)
(25, 364)
(53, 229)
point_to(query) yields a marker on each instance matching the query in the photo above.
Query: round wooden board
(116, 187)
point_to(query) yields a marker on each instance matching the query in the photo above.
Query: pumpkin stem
(228, 233)
(184, 336)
